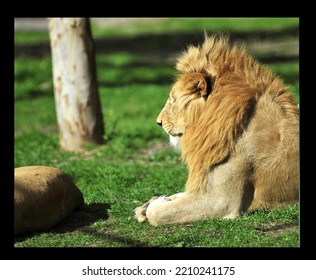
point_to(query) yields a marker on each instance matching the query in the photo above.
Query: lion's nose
(159, 122)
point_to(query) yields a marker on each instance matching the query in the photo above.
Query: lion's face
(186, 99)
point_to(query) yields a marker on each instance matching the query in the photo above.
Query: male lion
(237, 127)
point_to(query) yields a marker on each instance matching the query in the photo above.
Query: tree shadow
(162, 43)
(112, 237)
(159, 51)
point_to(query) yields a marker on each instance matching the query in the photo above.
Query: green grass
(31, 36)
(135, 163)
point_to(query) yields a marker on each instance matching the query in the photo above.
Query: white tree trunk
(78, 107)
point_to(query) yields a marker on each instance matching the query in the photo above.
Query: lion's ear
(201, 85)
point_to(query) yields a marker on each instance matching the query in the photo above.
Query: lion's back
(272, 142)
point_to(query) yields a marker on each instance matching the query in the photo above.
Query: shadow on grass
(158, 51)
(157, 43)
(111, 237)
(81, 221)
(83, 217)
(80, 218)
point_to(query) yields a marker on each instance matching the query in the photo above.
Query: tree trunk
(78, 107)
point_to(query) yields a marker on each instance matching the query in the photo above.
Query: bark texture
(78, 107)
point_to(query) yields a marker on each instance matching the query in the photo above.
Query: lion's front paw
(140, 212)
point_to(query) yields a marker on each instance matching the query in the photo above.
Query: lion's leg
(187, 207)
(228, 193)
(140, 212)
(176, 196)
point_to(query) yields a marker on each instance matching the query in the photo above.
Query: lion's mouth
(173, 134)
(172, 130)
(174, 141)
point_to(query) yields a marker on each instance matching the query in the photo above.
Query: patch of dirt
(276, 229)
(158, 147)
(216, 234)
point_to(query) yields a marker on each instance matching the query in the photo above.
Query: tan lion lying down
(237, 127)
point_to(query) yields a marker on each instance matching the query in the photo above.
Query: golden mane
(238, 81)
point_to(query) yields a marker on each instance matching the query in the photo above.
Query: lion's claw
(140, 212)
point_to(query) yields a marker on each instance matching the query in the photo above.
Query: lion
(237, 128)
